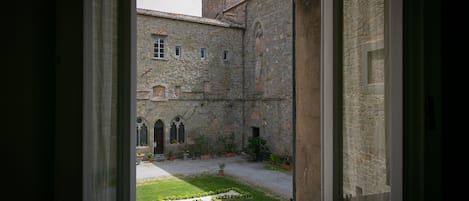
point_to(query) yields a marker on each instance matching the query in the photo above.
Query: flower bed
(218, 195)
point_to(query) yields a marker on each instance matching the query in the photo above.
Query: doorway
(255, 132)
(158, 136)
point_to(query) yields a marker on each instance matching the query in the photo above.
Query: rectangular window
(202, 53)
(178, 91)
(158, 47)
(225, 55)
(178, 51)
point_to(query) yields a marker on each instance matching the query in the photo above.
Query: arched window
(177, 131)
(181, 133)
(172, 134)
(142, 133)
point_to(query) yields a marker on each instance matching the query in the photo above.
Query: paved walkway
(252, 173)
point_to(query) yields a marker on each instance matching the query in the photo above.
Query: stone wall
(205, 93)
(253, 89)
(235, 15)
(210, 8)
(364, 139)
(268, 72)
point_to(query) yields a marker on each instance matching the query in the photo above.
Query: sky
(188, 7)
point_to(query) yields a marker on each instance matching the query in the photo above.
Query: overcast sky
(188, 7)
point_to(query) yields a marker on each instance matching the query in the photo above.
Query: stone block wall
(205, 93)
(269, 73)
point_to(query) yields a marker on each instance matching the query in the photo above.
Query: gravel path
(253, 173)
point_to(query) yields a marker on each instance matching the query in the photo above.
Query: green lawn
(152, 190)
(277, 167)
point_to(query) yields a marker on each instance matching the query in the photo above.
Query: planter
(205, 157)
(259, 158)
(230, 154)
(139, 160)
(287, 167)
(221, 172)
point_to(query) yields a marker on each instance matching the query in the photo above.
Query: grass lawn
(152, 190)
(277, 167)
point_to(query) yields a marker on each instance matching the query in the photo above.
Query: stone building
(226, 73)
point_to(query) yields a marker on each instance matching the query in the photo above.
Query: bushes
(257, 149)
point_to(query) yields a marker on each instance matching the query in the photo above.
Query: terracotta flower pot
(221, 172)
(287, 167)
(230, 154)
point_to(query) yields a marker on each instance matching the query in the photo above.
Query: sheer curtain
(108, 100)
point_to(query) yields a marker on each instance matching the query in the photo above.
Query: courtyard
(275, 183)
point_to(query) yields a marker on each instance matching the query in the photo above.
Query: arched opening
(158, 137)
(177, 132)
(142, 133)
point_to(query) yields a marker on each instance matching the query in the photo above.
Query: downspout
(244, 78)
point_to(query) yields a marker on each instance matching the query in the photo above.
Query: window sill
(159, 59)
(155, 99)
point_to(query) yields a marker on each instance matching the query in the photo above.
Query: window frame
(159, 41)
(331, 54)
(203, 53)
(226, 57)
(177, 124)
(178, 49)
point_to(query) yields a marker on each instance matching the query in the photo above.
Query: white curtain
(104, 139)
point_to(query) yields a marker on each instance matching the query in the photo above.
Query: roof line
(187, 18)
(234, 6)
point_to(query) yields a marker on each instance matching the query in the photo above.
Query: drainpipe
(244, 78)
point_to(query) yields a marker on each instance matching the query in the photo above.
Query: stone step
(160, 157)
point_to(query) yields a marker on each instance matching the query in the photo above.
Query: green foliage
(229, 144)
(256, 147)
(221, 166)
(201, 144)
(150, 155)
(274, 157)
(170, 153)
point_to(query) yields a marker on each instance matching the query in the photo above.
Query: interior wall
(307, 89)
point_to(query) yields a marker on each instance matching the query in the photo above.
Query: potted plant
(139, 157)
(287, 165)
(257, 148)
(201, 143)
(170, 155)
(221, 170)
(185, 154)
(230, 145)
(273, 158)
(150, 156)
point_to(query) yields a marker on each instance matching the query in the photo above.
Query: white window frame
(394, 91)
(158, 51)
